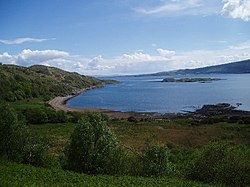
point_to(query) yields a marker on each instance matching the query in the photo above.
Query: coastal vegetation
(42, 147)
(178, 151)
(37, 81)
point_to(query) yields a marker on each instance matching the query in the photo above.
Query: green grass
(13, 175)
(56, 134)
(135, 135)
(27, 104)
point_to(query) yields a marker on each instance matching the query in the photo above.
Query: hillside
(19, 82)
(229, 68)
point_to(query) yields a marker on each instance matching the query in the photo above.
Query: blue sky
(108, 37)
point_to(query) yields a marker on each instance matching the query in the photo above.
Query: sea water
(148, 94)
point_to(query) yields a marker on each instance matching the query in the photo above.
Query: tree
(93, 148)
(156, 161)
(13, 134)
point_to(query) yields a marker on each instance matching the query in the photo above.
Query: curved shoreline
(59, 103)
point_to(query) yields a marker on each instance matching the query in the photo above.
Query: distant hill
(19, 82)
(230, 68)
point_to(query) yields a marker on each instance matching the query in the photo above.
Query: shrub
(36, 116)
(36, 152)
(221, 163)
(13, 134)
(132, 119)
(156, 161)
(93, 148)
(54, 116)
(75, 116)
(61, 117)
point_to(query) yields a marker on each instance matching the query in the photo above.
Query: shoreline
(59, 103)
(207, 111)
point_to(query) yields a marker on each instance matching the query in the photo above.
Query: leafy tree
(13, 134)
(156, 161)
(93, 148)
(221, 163)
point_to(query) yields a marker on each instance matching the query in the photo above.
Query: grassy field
(136, 135)
(13, 175)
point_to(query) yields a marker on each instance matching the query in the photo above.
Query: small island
(201, 80)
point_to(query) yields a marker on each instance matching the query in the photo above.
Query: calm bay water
(147, 94)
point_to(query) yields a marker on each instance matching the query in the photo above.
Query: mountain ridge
(239, 67)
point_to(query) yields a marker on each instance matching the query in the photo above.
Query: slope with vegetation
(18, 83)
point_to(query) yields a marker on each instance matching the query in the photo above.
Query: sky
(121, 37)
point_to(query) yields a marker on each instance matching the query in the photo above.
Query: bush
(75, 116)
(36, 152)
(36, 116)
(221, 163)
(61, 117)
(93, 148)
(13, 135)
(54, 116)
(156, 161)
(132, 119)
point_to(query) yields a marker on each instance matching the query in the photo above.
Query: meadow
(194, 150)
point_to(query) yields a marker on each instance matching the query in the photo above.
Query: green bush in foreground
(13, 135)
(16, 143)
(155, 161)
(93, 148)
(36, 153)
(221, 163)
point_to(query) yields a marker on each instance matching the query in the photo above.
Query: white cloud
(94, 64)
(28, 56)
(137, 57)
(237, 9)
(164, 52)
(135, 63)
(23, 40)
(171, 6)
(181, 7)
(7, 58)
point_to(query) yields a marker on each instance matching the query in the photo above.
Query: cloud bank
(23, 40)
(135, 63)
(237, 9)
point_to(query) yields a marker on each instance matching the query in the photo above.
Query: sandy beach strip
(59, 103)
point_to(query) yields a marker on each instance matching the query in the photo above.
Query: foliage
(75, 116)
(156, 161)
(13, 134)
(16, 142)
(132, 119)
(36, 152)
(43, 115)
(18, 83)
(93, 148)
(36, 116)
(221, 163)
(14, 175)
